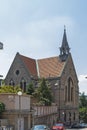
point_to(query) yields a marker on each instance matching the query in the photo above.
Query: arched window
(70, 89)
(11, 83)
(72, 93)
(65, 93)
(23, 84)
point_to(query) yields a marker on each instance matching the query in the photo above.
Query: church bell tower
(64, 49)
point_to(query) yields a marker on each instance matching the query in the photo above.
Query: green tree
(83, 114)
(30, 89)
(43, 93)
(83, 107)
(83, 100)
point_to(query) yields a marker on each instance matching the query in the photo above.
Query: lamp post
(63, 116)
(19, 94)
(58, 85)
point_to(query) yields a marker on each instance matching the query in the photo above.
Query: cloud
(83, 83)
(35, 34)
(32, 35)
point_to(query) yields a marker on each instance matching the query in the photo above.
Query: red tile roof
(50, 67)
(30, 64)
(47, 67)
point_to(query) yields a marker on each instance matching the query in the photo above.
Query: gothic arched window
(70, 89)
(11, 83)
(23, 84)
(65, 93)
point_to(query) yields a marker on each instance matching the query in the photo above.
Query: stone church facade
(59, 71)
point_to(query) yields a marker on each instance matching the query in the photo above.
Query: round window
(17, 72)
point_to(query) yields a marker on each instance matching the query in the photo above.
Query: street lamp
(58, 85)
(63, 116)
(19, 94)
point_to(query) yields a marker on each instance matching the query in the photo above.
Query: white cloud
(83, 83)
(33, 35)
(82, 78)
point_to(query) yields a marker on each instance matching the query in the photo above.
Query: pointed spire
(64, 49)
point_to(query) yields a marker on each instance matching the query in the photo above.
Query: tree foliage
(43, 93)
(30, 89)
(83, 107)
(83, 100)
(9, 89)
(83, 114)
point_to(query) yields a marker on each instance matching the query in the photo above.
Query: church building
(59, 71)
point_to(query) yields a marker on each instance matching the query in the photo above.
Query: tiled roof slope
(47, 67)
(30, 64)
(50, 67)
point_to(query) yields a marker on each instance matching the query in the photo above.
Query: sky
(34, 28)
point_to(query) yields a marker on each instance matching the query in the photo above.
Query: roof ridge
(27, 57)
(48, 57)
